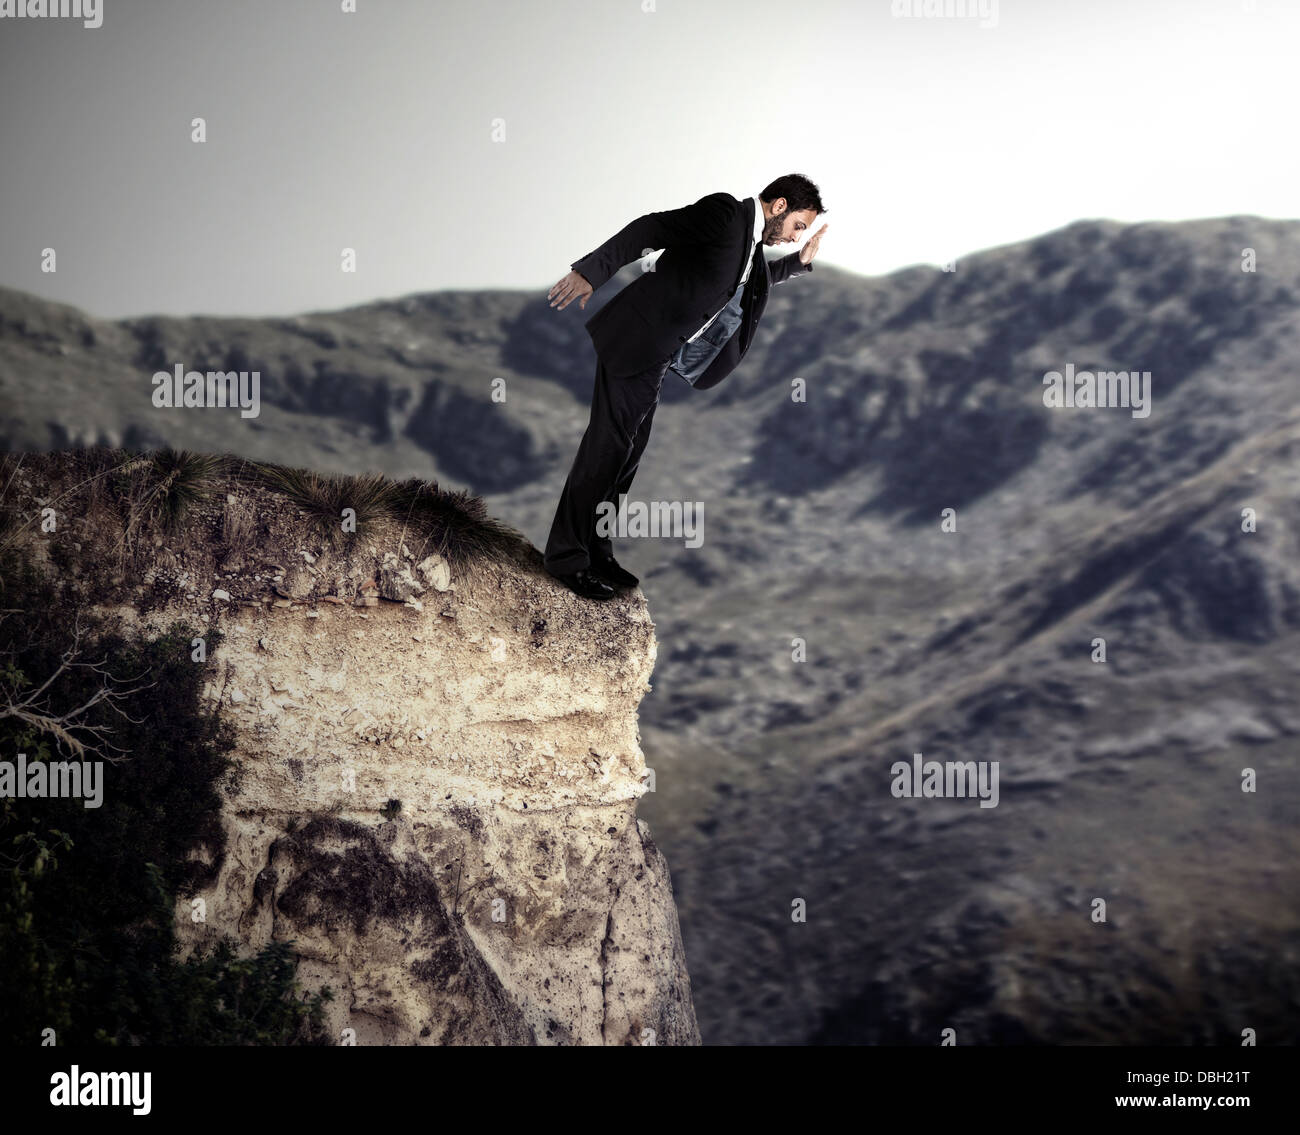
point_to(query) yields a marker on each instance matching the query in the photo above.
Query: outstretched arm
(708, 220)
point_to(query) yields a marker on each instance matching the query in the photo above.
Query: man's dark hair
(798, 191)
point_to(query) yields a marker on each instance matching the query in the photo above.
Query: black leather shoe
(610, 570)
(587, 584)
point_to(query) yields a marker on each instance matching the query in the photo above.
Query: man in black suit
(694, 312)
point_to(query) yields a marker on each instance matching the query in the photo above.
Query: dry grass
(337, 506)
(238, 526)
(162, 490)
(135, 500)
(139, 495)
(456, 525)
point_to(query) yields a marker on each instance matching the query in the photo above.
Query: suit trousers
(622, 410)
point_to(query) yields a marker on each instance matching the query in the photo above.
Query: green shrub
(87, 895)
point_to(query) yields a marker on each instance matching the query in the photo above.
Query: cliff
(437, 758)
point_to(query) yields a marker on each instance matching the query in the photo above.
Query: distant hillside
(822, 522)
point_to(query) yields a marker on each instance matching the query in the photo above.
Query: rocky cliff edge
(437, 757)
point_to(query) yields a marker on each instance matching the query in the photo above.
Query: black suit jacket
(705, 247)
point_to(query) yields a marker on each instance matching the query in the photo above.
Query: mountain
(823, 522)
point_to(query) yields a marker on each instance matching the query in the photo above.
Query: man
(693, 311)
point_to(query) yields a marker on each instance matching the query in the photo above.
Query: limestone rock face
(440, 812)
(435, 780)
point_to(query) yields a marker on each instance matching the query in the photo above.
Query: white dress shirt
(759, 222)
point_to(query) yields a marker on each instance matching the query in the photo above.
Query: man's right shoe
(587, 584)
(609, 568)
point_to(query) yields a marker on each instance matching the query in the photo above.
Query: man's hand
(574, 286)
(809, 250)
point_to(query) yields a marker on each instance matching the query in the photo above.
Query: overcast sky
(929, 137)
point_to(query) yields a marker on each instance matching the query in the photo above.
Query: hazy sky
(929, 137)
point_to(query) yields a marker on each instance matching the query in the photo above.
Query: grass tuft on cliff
(137, 502)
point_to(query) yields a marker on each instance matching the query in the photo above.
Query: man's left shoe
(609, 569)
